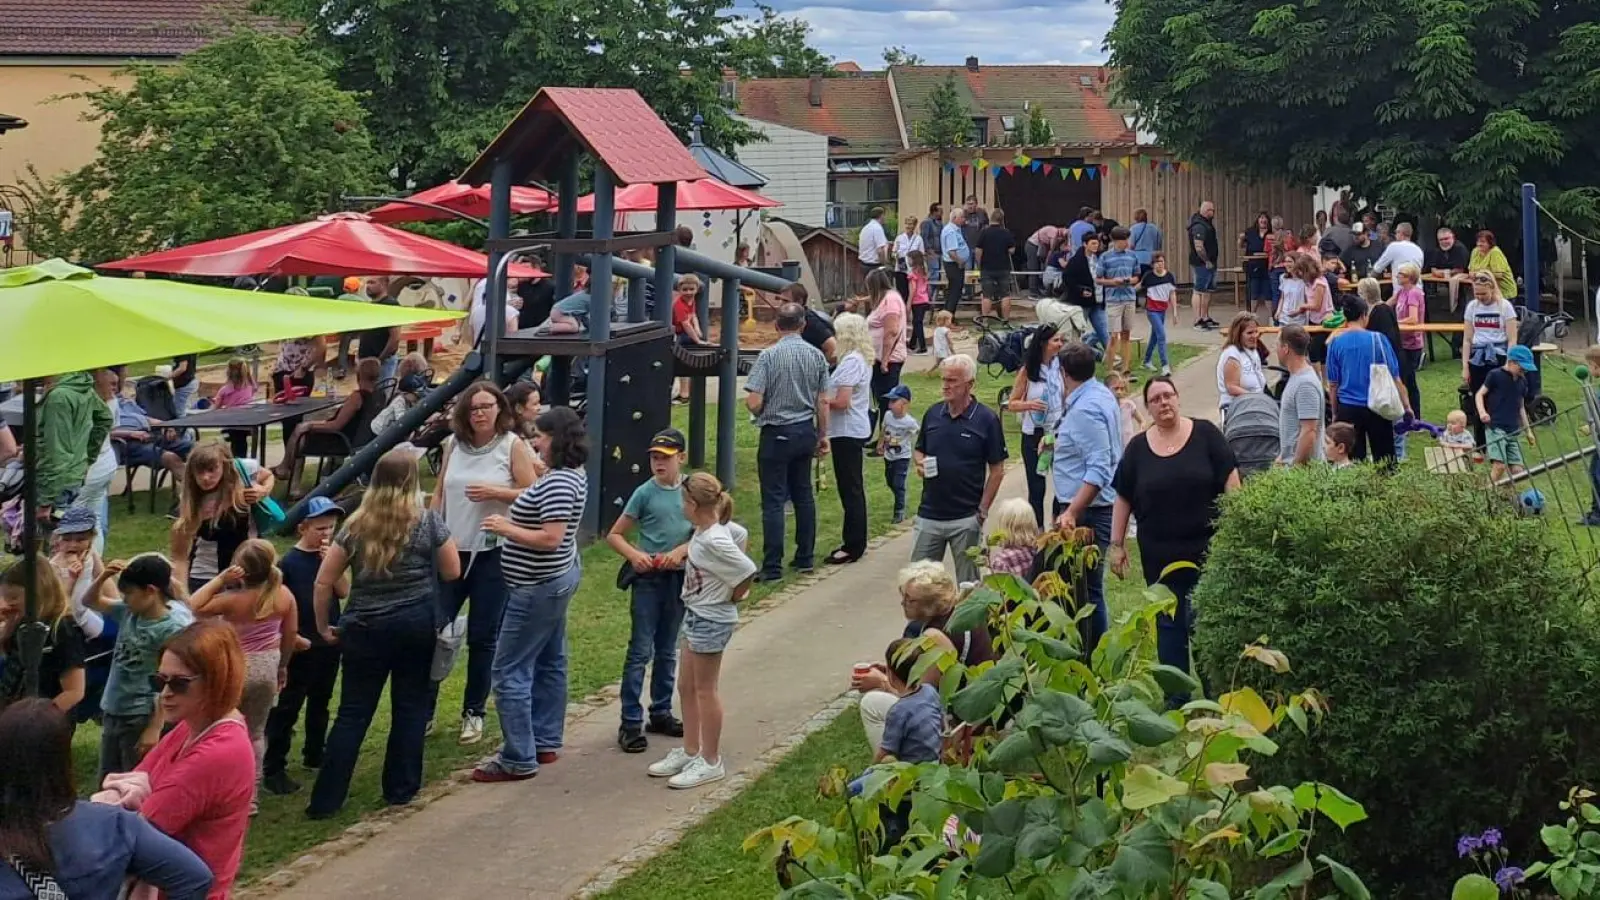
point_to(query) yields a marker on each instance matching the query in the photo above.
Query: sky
(946, 32)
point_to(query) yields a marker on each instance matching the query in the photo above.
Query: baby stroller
(1251, 430)
(1002, 348)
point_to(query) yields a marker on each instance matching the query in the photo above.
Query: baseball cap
(77, 520)
(151, 570)
(413, 384)
(352, 285)
(1523, 357)
(668, 441)
(1358, 228)
(898, 392)
(317, 507)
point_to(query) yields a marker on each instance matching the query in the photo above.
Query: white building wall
(795, 164)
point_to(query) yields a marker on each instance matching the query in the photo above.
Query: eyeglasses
(178, 683)
(484, 408)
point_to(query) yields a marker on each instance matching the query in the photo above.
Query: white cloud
(931, 17)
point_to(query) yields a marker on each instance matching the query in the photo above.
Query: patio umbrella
(328, 245)
(700, 194)
(57, 318)
(463, 198)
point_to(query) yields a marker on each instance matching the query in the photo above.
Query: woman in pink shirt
(201, 777)
(1408, 309)
(886, 325)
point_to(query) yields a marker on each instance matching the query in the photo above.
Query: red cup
(860, 670)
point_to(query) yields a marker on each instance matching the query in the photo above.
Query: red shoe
(546, 757)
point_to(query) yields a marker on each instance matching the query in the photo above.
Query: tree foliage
(946, 119)
(441, 77)
(247, 133)
(1038, 131)
(900, 56)
(1438, 106)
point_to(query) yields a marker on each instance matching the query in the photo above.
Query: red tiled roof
(614, 125)
(848, 65)
(856, 109)
(1079, 112)
(139, 28)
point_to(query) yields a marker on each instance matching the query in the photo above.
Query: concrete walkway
(551, 836)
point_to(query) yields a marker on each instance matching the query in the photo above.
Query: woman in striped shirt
(542, 570)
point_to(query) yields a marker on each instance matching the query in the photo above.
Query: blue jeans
(657, 616)
(395, 649)
(182, 397)
(484, 581)
(1594, 487)
(1094, 582)
(783, 463)
(1158, 337)
(530, 670)
(1172, 632)
(1102, 328)
(387, 368)
(894, 474)
(1205, 279)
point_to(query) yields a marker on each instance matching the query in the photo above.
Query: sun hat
(1523, 357)
(77, 520)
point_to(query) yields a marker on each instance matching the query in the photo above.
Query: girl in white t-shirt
(1489, 329)
(717, 574)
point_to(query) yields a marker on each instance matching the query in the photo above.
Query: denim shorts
(705, 636)
(1205, 279)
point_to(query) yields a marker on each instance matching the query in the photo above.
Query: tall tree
(1484, 96)
(250, 132)
(1038, 131)
(946, 118)
(441, 77)
(900, 56)
(775, 46)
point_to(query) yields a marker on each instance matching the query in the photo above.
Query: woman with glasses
(1489, 330)
(485, 468)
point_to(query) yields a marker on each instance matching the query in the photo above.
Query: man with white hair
(1400, 251)
(961, 456)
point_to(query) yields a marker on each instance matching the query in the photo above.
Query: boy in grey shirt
(1299, 442)
(899, 436)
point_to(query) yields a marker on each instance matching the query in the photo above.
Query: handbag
(1383, 397)
(266, 513)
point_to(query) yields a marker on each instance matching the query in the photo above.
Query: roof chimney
(815, 93)
(972, 64)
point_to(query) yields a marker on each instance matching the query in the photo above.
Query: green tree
(900, 56)
(774, 46)
(1039, 131)
(946, 119)
(441, 77)
(247, 133)
(1485, 96)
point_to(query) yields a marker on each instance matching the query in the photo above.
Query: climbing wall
(638, 404)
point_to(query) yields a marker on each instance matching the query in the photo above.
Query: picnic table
(1425, 328)
(255, 418)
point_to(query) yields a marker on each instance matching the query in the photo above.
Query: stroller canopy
(1251, 429)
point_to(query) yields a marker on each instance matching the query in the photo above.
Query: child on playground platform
(1013, 537)
(895, 444)
(717, 575)
(655, 568)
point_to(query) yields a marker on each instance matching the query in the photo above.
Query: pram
(1251, 430)
(1002, 348)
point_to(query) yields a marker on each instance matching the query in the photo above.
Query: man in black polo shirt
(818, 331)
(961, 456)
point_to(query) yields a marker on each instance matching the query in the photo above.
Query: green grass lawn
(598, 633)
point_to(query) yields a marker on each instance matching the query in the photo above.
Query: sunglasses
(178, 683)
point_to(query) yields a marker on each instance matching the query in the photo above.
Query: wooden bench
(1425, 328)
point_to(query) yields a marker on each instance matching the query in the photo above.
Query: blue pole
(566, 223)
(495, 296)
(1530, 247)
(728, 406)
(605, 204)
(666, 257)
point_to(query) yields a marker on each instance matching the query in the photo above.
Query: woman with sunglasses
(1489, 330)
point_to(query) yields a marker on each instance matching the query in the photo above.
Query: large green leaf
(1005, 818)
(980, 700)
(997, 856)
(1055, 715)
(1144, 858)
(973, 612)
(1146, 786)
(1093, 824)
(1345, 879)
(1475, 887)
(1174, 680)
(1341, 809)
(1293, 877)
(1041, 828)
(1014, 754)
(1146, 727)
(1104, 747)
(1205, 889)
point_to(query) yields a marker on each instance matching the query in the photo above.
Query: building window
(979, 134)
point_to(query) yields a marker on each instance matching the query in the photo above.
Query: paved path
(550, 836)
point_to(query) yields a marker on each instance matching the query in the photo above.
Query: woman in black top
(1079, 280)
(61, 669)
(1254, 243)
(1170, 480)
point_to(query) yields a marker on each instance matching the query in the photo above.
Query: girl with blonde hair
(1013, 536)
(249, 595)
(717, 574)
(61, 671)
(397, 551)
(214, 512)
(850, 387)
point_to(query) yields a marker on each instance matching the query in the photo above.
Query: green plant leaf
(1014, 754)
(983, 697)
(1105, 748)
(1174, 680)
(1144, 858)
(1346, 880)
(1474, 887)
(1096, 885)
(1057, 649)
(1205, 889)
(1055, 714)
(1557, 838)
(997, 856)
(1146, 727)
(1039, 840)
(1287, 842)
(1094, 824)
(1145, 786)
(973, 612)
(950, 879)
(1568, 882)
(1004, 818)
(1293, 877)
(1339, 807)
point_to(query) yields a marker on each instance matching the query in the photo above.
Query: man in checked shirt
(787, 393)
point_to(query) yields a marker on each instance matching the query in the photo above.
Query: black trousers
(1030, 469)
(919, 337)
(851, 483)
(1410, 362)
(955, 281)
(882, 381)
(902, 283)
(1374, 433)
(312, 674)
(1476, 375)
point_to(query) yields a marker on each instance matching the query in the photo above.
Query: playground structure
(630, 364)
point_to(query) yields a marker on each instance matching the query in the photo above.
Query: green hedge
(1450, 637)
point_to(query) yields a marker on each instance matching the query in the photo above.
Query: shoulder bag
(1383, 397)
(266, 513)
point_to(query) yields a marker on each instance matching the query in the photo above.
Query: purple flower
(1490, 838)
(1509, 877)
(1466, 845)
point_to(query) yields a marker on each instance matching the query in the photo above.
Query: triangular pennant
(1023, 159)
(1124, 162)
(1077, 174)
(1062, 172)
(964, 169)
(1154, 166)
(1105, 169)
(1177, 167)
(995, 170)
(1011, 170)
(1035, 165)
(1092, 171)
(1048, 168)
(980, 164)
(949, 167)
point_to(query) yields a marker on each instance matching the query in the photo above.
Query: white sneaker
(1166, 370)
(1149, 366)
(471, 730)
(696, 773)
(674, 762)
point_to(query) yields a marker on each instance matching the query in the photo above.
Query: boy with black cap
(312, 671)
(895, 445)
(654, 570)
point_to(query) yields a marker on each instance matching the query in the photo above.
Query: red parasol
(473, 201)
(703, 193)
(330, 245)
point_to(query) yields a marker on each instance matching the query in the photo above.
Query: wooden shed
(1033, 191)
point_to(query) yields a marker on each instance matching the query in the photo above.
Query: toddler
(1338, 442)
(1456, 436)
(941, 336)
(894, 445)
(1013, 538)
(1133, 418)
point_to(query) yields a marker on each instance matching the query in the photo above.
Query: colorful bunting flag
(1077, 174)
(949, 167)
(1105, 169)
(980, 164)
(964, 169)
(995, 170)
(1177, 167)
(1154, 165)
(1035, 165)
(1011, 169)
(1063, 172)
(1048, 168)
(1023, 159)
(1124, 162)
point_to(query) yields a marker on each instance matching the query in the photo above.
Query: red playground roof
(614, 125)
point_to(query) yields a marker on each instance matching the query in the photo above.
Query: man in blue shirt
(1117, 270)
(1088, 449)
(961, 456)
(1351, 356)
(956, 255)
